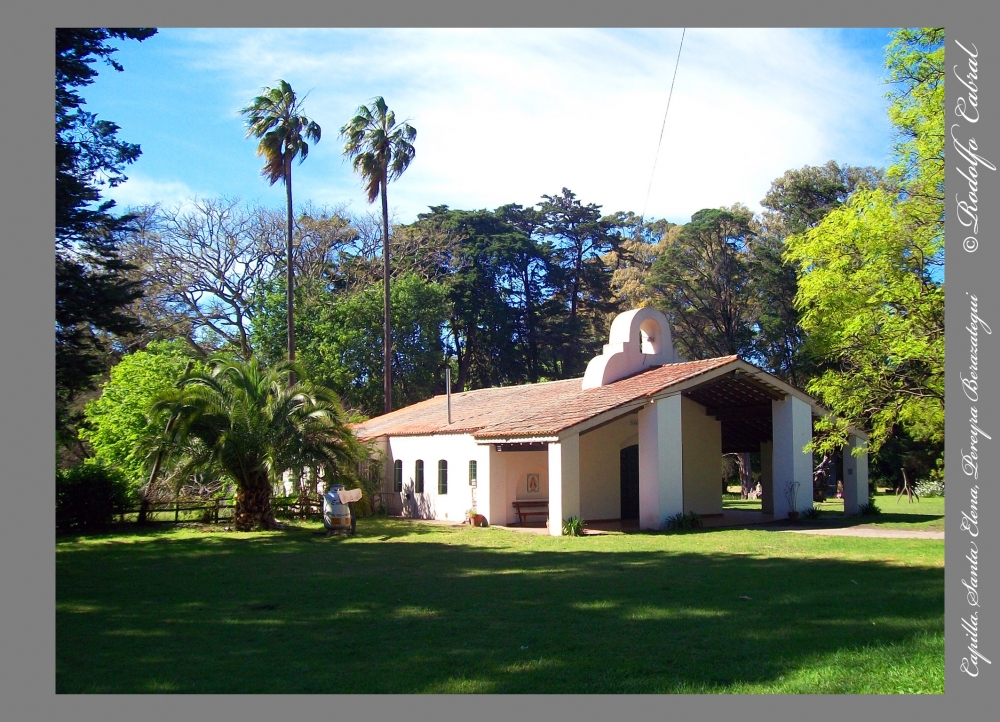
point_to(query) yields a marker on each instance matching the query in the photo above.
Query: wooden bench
(522, 504)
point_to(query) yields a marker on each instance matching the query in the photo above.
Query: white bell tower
(639, 339)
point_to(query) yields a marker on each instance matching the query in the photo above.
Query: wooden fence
(215, 509)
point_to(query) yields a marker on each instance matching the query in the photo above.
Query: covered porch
(636, 466)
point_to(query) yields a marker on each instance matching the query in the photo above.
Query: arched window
(442, 477)
(397, 475)
(418, 477)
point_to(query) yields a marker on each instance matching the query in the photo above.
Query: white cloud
(507, 115)
(140, 190)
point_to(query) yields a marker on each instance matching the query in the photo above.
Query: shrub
(683, 521)
(929, 487)
(88, 496)
(869, 509)
(812, 513)
(573, 526)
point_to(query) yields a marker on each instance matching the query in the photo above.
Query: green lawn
(407, 607)
(926, 514)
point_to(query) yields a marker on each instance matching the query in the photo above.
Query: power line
(660, 142)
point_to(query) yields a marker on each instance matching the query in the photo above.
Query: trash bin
(337, 515)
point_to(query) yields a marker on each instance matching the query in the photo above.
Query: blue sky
(506, 115)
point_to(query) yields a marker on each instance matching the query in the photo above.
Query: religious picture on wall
(532, 483)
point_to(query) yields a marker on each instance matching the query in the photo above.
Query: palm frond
(274, 117)
(380, 150)
(243, 420)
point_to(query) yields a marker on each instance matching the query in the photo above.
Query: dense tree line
(512, 295)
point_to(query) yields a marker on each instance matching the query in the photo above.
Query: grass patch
(925, 515)
(414, 608)
(744, 504)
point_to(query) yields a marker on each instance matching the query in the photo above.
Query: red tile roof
(531, 410)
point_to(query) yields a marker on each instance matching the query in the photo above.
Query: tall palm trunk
(253, 507)
(387, 342)
(289, 272)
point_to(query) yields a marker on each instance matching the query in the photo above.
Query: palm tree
(274, 117)
(381, 151)
(247, 423)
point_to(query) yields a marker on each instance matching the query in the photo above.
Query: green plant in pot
(790, 490)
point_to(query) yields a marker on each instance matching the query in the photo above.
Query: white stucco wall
(600, 467)
(855, 476)
(702, 448)
(791, 419)
(457, 450)
(564, 481)
(766, 477)
(661, 488)
(494, 492)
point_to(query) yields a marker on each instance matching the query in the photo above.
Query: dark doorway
(630, 481)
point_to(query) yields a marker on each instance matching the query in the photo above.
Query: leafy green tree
(796, 202)
(640, 243)
(869, 287)
(274, 117)
(92, 289)
(779, 339)
(340, 334)
(702, 284)
(915, 61)
(874, 312)
(537, 277)
(117, 422)
(487, 292)
(247, 422)
(579, 237)
(381, 151)
(802, 197)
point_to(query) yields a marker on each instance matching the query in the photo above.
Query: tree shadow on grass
(897, 519)
(835, 520)
(369, 526)
(290, 613)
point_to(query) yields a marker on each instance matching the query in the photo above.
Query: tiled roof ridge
(710, 362)
(525, 410)
(699, 366)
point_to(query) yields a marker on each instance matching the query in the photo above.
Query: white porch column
(661, 479)
(492, 501)
(791, 420)
(766, 477)
(564, 482)
(855, 475)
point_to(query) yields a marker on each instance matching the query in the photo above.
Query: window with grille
(442, 477)
(397, 475)
(418, 477)
(473, 478)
